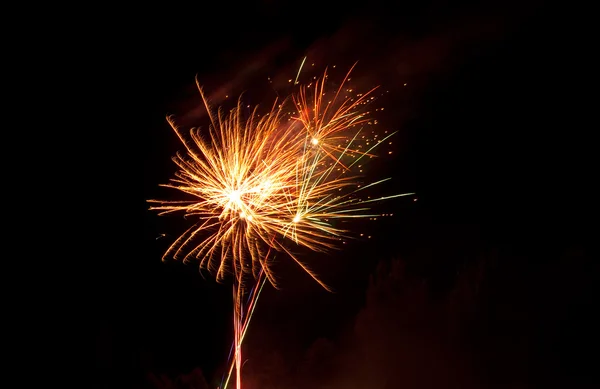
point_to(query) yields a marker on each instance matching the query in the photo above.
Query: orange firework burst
(259, 182)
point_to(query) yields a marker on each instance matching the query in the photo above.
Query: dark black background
(489, 139)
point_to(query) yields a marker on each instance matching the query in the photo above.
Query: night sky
(487, 140)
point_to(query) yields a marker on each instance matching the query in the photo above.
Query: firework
(257, 183)
(260, 184)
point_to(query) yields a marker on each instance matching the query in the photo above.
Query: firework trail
(245, 319)
(262, 184)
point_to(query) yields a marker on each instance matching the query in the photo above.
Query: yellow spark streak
(299, 70)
